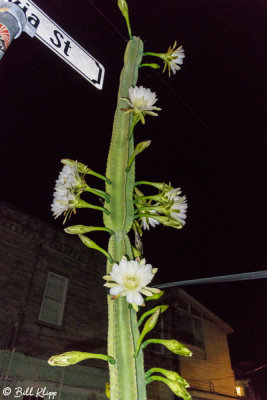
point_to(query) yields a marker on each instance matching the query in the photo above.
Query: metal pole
(12, 22)
(216, 279)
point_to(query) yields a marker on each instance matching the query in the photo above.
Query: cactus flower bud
(171, 375)
(178, 389)
(149, 325)
(177, 348)
(173, 345)
(123, 7)
(162, 308)
(156, 296)
(73, 357)
(78, 229)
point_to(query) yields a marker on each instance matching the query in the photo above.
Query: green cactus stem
(127, 377)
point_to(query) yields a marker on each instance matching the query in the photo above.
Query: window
(52, 308)
(188, 325)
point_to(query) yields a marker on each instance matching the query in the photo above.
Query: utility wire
(224, 278)
(108, 21)
(254, 370)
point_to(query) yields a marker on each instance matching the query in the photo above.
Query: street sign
(61, 43)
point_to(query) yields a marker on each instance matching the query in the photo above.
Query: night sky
(209, 139)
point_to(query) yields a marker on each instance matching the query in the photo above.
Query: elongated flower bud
(142, 146)
(123, 6)
(80, 229)
(138, 149)
(151, 322)
(73, 357)
(171, 375)
(178, 389)
(177, 348)
(92, 245)
(156, 296)
(173, 345)
(81, 168)
(162, 308)
(149, 325)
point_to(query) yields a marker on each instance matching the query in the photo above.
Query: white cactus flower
(141, 102)
(173, 193)
(68, 183)
(147, 221)
(177, 59)
(63, 203)
(178, 209)
(130, 279)
(173, 58)
(69, 177)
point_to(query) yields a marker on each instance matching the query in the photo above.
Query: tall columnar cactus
(126, 207)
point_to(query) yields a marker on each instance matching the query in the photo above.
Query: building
(209, 370)
(50, 286)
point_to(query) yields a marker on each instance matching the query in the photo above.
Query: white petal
(153, 222)
(138, 299)
(115, 290)
(144, 224)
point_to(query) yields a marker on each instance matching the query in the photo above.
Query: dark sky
(209, 138)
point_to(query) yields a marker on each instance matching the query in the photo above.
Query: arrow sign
(62, 44)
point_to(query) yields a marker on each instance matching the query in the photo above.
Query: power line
(224, 278)
(108, 21)
(255, 369)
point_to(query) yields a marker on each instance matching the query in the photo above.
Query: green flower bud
(124, 10)
(151, 65)
(156, 296)
(123, 7)
(151, 322)
(92, 245)
(81, 168)
(142, 146)
(80, 229)
(139, 148)
(162, 308)
(171, 375)
(149, 325)
(156, 185)
(177, 348)
(178, 389)
(73, 357)
(173, 345)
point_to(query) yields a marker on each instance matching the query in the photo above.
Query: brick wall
(29, 249)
